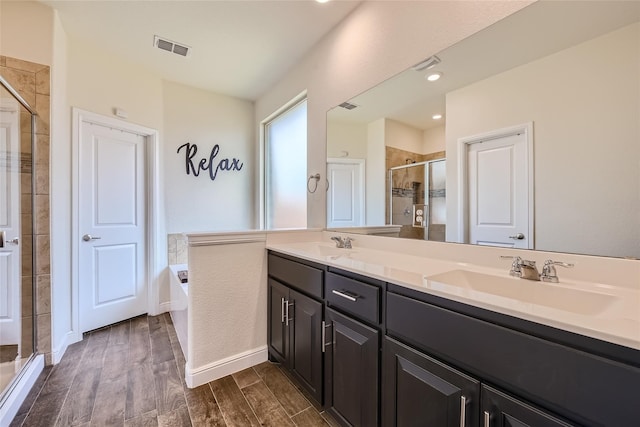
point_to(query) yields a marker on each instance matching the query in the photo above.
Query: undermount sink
(329, 251)
(552, 295)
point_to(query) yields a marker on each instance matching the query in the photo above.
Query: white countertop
(608, 313)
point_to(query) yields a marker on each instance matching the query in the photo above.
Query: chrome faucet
(343, 243)
(523, 268)
(549, 270)
(339, 241)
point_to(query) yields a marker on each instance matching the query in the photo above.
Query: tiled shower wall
(177, 248)
(32, 82)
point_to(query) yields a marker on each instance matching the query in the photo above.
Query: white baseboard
(164, 307)
(70, 337)
(224, 367)
(16, 396)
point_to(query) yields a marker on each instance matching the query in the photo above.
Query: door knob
(89, 237)
(518, 236)
(13, 241)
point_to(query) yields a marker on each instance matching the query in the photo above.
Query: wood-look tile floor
(132, 374)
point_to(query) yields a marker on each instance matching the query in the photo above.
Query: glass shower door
(417, 199)
(16, 292)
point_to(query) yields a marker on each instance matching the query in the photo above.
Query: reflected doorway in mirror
(345, 193)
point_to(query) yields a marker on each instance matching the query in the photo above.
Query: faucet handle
(347, 242)
(549, 270)
(516, 265)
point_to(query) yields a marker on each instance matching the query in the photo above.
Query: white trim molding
(227, 366)
(213, 239)
(155, 239)
(463, 196)
(21, 388)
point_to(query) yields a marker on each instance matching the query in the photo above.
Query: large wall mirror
(528, 137)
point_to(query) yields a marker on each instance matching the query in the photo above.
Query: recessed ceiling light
(436, 116)
(322, 1)
(433, 76)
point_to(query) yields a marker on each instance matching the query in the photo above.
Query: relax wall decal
(212, 165)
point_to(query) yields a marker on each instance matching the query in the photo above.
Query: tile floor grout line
(275, 397)
(217, 403)
(36, 397)
(73, 378)
(296, 388)
(246, 400)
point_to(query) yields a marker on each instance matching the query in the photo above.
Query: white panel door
(10, 263)
(499, 192)
(112, 254)
(345, 196)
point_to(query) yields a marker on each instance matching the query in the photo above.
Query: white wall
(60, 202)
(26, 31)
(350, 137)
(204, 118)
(404, 137)
(376, 41)
(583, 102)
(376, 173)
(100, 81)
(434, 140)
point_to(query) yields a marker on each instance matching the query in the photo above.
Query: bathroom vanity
(447, 344)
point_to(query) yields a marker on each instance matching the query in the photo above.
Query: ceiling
(536, 31)
(238, 47)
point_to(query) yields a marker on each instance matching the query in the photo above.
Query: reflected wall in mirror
(540, 128)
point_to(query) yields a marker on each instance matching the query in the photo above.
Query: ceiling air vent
(171, 46)
(348, 106)
(428, 63)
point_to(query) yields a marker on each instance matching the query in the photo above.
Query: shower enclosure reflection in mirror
(20, 363)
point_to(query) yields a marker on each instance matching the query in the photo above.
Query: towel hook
(317, 178)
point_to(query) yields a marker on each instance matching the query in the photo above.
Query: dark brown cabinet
(278, 335)
(378, 354)
(420, 391)
(295, 322)
(501, 410)
(352, 370)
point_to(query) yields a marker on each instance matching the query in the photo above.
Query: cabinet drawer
(355, 297)
(577, 385)
(297, 275)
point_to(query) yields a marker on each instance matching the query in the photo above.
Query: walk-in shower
(417, 199)
(17, 259)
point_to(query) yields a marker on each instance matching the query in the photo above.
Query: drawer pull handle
(324, 336)
(346, 295)
(487, 419)
(463, 411)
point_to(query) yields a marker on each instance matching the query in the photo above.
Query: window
(286, 168)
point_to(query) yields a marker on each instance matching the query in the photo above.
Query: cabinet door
(352, 370)
(277, 330)
(305, 357)
(420, 391)
(501, 410)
